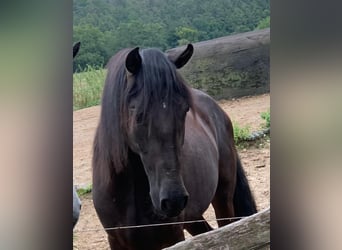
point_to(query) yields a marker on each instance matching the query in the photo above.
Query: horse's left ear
(183, 58)
(75, 49)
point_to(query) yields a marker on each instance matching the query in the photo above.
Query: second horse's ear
(75, 49)
(133, 61)
(183, 58)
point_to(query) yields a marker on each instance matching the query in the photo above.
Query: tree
(105, 26)
(264, 23)
(186, 35)
(141, 34)
(93, 46)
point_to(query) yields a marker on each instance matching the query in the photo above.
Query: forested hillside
(105, 26)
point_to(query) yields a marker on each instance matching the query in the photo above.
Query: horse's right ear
(75, 49)
(133, 61)
(183, 58)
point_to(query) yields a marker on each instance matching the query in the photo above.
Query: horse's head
(157, 103)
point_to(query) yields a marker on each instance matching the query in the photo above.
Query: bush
(84, 190)
(240, 133)
(264, 23)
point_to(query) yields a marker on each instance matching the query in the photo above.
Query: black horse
(76, 200)
(162, 153)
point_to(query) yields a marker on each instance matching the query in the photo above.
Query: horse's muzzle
(174, 206)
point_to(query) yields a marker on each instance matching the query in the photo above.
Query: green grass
(84, 190)
(240, 133)
(87, 87)
(267, 117)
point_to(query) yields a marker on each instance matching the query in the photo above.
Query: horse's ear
(183, 58)
(133, 61)
(75, 49)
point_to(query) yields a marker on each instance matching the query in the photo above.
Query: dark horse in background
(76, 204)
(162, 153)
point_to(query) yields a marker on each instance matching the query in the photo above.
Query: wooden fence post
(252, 232)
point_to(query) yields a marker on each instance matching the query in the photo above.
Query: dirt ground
(88, 233)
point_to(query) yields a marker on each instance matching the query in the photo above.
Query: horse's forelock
(159, 82)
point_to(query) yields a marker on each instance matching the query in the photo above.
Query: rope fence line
(157, 224)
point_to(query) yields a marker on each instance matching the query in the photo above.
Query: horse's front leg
(223, 201)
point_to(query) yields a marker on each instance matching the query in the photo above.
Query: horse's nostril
(174, 206)
(165, 204)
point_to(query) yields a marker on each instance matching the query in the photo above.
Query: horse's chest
(144, 236)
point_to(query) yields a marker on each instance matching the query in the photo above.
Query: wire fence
(158, 224)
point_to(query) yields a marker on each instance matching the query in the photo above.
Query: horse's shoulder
(207, 106)
(205, 102)
(201, 98)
